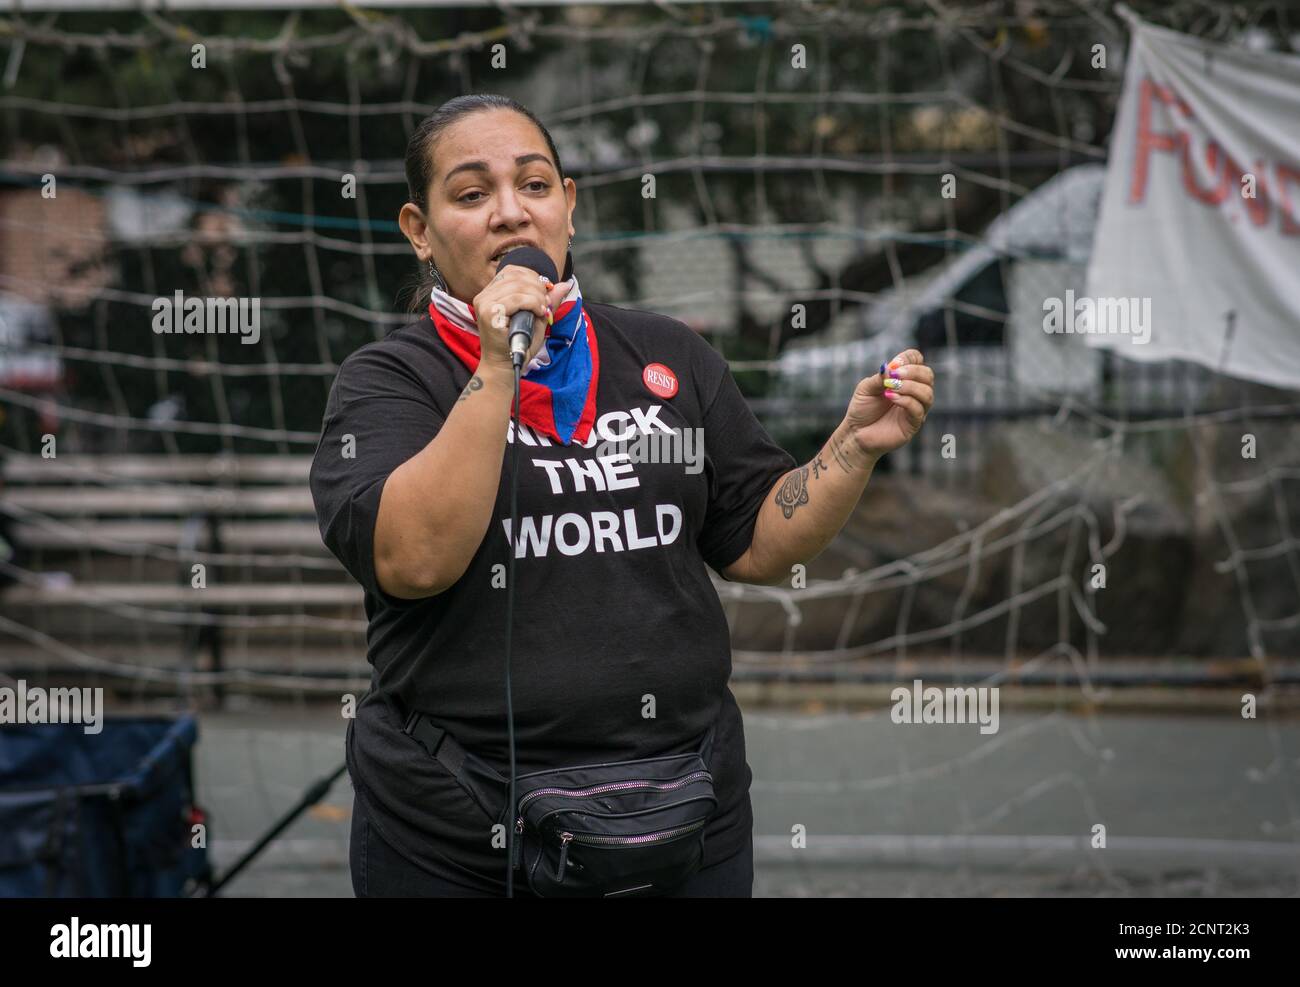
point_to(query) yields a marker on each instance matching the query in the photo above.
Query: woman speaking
(629, 752)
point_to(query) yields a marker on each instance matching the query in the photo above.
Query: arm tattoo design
(817, 465)
(474, 384)
(793, 492)
(841, 457)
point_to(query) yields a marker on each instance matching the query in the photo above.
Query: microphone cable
(515, 831)
(511, 540)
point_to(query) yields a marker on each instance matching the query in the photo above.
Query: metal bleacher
(105, 553)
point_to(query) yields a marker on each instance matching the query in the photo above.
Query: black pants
(379, 871)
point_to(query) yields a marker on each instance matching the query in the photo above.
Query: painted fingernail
(882, 370)
(895, 374)
(890, 394)
(892, 384)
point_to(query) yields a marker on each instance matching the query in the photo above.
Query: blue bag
(100, 815)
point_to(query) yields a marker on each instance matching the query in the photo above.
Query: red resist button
(660, 380)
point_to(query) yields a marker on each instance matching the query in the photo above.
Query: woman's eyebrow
(523, 159)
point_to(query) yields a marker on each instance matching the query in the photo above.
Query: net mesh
(811, 187)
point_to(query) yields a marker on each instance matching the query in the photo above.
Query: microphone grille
(532, 258)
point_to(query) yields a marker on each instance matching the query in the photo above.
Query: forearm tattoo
(793, 492)
(474, 384)
(840, 454)
(817, 465)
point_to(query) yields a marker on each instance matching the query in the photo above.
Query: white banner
(1197, 252)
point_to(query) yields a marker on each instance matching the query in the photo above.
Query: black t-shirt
(620, 647)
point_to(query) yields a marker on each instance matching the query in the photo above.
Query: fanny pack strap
(447, 750)
(706, 746)
(440, 745)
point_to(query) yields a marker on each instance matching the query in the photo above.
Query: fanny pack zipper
(592, 790)
(612, 786)
(661, 836)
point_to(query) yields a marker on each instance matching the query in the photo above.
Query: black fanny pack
(612, 829)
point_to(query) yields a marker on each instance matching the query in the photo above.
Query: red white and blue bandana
(557, 392)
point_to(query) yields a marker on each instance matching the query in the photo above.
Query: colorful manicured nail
(896, 374)
(892, 384)
(882, 370)
(890, 394)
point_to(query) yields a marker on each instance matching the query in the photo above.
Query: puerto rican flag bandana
(557, 392)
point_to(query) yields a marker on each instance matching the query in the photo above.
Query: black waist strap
(475, 776)
(486, 785)
(440, 745)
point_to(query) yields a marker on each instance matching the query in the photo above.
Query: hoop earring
(437, 278)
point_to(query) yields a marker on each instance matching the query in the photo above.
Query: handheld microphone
(521, 323)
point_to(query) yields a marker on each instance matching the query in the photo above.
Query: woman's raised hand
(514, 289)
(889, 407)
